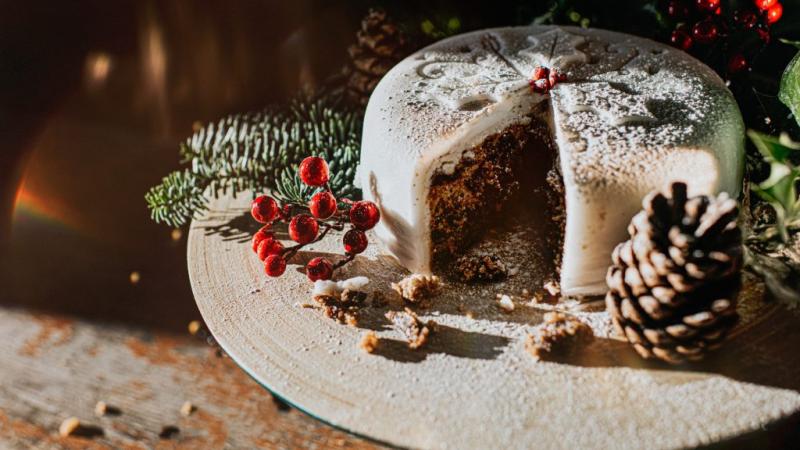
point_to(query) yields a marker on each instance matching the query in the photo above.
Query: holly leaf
(789, 90)
(779, 189)
(790, 42)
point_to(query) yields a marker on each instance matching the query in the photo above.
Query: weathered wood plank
(54, 368)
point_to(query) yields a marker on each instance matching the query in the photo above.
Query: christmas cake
(595, 119)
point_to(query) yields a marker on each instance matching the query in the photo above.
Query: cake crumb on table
(69, 426)
(415, 331)
(187, 409)
(558, 335)
(552, 288)
(100, 409)
(369, 342)
(417, 287)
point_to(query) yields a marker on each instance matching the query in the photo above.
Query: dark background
(94, 98)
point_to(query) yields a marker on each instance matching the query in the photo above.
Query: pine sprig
(258, 152)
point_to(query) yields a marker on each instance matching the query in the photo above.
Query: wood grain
(474, 386)
(55, 367)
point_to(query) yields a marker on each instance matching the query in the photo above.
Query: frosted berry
(737, 63)
(707, 5)
(765, 4)
(364, 215)
(275, 265)
(260, 235)
(774, 13)
(540, 86)
(269, 246)
(314, 171)
(554, 78)
(705, 31)
(322, 205)
(681, 39)
(319, 269)
(303, 228)
(264, 209)
(540, 73)
(355, 242)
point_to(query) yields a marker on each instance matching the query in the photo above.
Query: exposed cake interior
(512, 172)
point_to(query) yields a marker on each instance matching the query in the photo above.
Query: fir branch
(258, 152)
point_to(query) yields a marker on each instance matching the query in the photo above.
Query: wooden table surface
(56, 367)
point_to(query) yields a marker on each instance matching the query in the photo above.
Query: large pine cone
(380, 44)
(673, 285)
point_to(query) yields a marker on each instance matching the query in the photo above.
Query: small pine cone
(673, 285)
(380, 44)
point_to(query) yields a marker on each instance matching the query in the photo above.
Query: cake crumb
(369, 342)
(417, 287)
(558, 335)
(344, 307)
(100, 409)
(187, 409)
(416, 332)
(481, 268)
(505, 303)
(552, 288)
(69, 426)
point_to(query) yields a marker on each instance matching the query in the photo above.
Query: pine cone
(380, 44)
(673, 285)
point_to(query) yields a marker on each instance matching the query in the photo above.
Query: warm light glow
(98, 66)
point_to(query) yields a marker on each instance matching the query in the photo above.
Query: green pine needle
(259, 152)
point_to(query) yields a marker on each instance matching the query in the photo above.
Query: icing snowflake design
(478, 77)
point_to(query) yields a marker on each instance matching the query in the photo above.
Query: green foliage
(258, 152)
(789, 91)
(780, 187)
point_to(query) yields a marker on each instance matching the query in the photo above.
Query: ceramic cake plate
(474, 385)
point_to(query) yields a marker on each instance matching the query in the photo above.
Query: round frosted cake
(455, 131)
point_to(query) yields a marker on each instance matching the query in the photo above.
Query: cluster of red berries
(323, 213)
(544, 79)
(704, 22)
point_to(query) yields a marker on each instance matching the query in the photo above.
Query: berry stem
(342, 262)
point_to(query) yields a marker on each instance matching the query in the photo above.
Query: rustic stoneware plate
(474, 385)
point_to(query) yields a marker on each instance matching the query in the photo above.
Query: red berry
(677, 10)
(269, 246)
(681, 39)
(303, 228)
(765, 4)
(355, 242)
(260, 235)
(540, 86)
(319, 269)
(737, 63)
(764, 35)
(264, 209)
(746, 18)
(705, 31)
(774, 13)
(322, 205)
(275, 265)
(707, 5)
(364, 214)
(554, 78)
(314, 171)
(540, 73)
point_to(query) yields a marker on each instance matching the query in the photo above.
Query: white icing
(632, 116)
